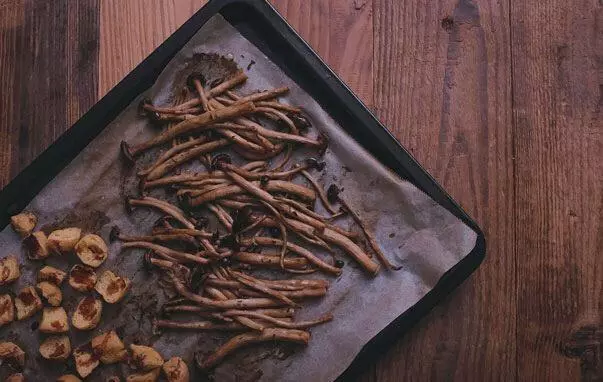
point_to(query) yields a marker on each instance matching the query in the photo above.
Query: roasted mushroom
(87, 315)
(23, 223)
(7, 309)
(56, 348)
(145, 358)
(9, 270)
(175, 370)
(82, 278)
(63, 240)
(17, 377)
(12, 354)
(150, 376)
(85, 361)
(68, 378)
(92, 250)
(36, 246)
(52, 275)
(51, 293)
(109, 347)
(54, 320)
(113, 288)
(27, 303)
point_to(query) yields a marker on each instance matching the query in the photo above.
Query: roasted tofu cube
(17, 377)
(109, 347)
(36, 246)
(87, 315)
(92, 250)
(175, 370)
(50, 292)
(149, 376)
(64, 240)
(85, 361)
(113, 288)
(68, 378)
(27, 303)
(54, 320)
(82, 278)
(7, 309)
(12, 354)
(52, 275)
(24, 223)
(56, 348)
(9, 270)
(145, 358)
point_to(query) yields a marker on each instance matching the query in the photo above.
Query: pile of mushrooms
(263, 204)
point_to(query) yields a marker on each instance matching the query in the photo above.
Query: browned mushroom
(9, 269)
(27, 303)
(23, 223)
(7, 310)
(56, 348)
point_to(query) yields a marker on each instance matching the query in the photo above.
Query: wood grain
(443, 86)
(558, 94)
(48, 65)
(131, 30)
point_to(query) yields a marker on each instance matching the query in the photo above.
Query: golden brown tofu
(56, 348)
(17, 377)
(52, 275)
(113, 288)
(109, 347)
(82, 278)
(145, 358)
(85, 361)
(149, 376)
(54, 320)
(50, 292)
(12, 354)
(87, 315)
(68, 378)
(7, 309)
(27, 303)
(92, 250)
(36, 246)
(9, 270)
(175, 370)
(63, 240)
(24, 223)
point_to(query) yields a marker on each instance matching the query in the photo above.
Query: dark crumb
(251, 63)
(391, 235)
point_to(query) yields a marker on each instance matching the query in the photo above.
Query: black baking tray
(259, 22)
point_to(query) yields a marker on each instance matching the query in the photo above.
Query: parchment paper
(412, 229)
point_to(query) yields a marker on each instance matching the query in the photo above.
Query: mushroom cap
(113, 288)
(87, 314)
(64, 240)
(56, 348)
(54, 320)
(24, 223)
(82, 278)
(92, 250)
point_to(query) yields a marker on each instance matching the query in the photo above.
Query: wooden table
(500, 100)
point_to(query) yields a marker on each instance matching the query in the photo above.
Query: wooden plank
(442, 85)
(43, 76)
(341, 32)
(557, 67)
(131, 30)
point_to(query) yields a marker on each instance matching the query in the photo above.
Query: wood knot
(586, 344)
(447, 23)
